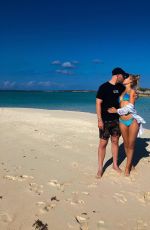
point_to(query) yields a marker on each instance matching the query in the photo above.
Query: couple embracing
(117, 116)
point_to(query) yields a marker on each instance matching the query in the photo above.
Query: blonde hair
(135, 81)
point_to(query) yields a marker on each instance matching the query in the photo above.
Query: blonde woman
(130, 123)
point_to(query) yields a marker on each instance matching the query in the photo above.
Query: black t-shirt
(110, 95)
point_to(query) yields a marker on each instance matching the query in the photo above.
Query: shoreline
(144, 93)
(48, 164)
(55, 110)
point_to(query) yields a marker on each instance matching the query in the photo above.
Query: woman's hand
(112, 110)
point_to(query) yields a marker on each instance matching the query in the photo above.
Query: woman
(130, 123)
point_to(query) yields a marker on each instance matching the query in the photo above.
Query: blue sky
(72, 44)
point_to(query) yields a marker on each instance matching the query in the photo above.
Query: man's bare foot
(117, 169)
(99, 173)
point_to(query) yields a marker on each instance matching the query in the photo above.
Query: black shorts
(111, 128)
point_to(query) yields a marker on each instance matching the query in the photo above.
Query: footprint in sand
(93, 185)
(5, 217)
(75, 165)
(56, 184)
(129, 179)
(120, 198)
(86, 193)
(47, 206)
(114, 176)
(141, 225)
(71, 226)
(82, 221)
(75, 199)
(59, 186)
(67, 146)
(101, 225)
(144, 198)
(140, 198)
(41, 205)
(147, 196)
(38, 189)
(18, 178)
(40, 133)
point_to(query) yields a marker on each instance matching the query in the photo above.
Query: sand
(48, 164)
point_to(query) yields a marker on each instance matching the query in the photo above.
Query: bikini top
(126, 97)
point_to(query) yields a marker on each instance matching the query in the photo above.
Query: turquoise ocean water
(72, 101)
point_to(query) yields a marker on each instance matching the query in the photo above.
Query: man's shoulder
(105, 84)
(120, 86)
(101, 90)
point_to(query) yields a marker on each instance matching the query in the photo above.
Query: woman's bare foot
(99, 173)
(117, 169)
(127, 172)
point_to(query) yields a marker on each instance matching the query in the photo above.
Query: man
(108, 123)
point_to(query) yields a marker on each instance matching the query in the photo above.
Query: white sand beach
(48, 164)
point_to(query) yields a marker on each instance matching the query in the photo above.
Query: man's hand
(100, 124)
(112, 110)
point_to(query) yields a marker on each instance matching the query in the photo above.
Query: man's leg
(115, 149)
(101, 155)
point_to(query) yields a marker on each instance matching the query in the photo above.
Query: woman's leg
(133, 131)
(125, 134)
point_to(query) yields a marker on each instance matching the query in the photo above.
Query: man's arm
(98, 111)
(129, 108)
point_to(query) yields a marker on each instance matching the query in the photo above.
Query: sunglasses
(125, 77)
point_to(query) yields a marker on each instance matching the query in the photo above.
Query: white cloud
(11, 85)
(67, 64)
(30, 83)
(75, 62)
(64, 71)
(8, 84)
(37, 84)
(97, 61)
(56, 62)
(45, 83)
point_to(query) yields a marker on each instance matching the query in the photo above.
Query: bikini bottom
(126, 122)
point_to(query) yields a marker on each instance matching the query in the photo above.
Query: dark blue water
(73, 101)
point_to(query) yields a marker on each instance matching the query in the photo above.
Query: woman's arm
(126, 109)
(132, 96)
